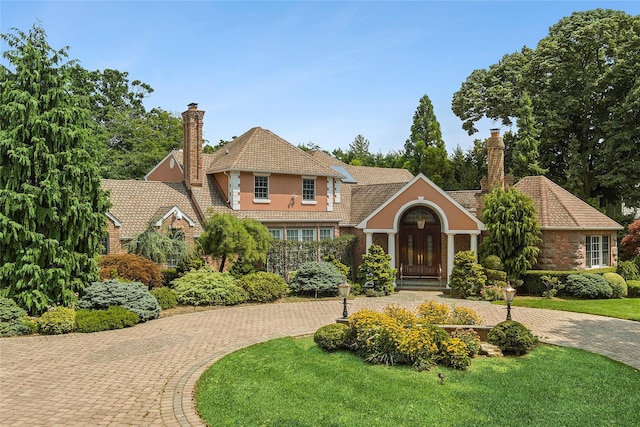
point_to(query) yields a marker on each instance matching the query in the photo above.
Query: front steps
(413, 284)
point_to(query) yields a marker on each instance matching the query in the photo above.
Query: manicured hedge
(532, 285)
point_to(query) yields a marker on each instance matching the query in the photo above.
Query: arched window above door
(420, 217)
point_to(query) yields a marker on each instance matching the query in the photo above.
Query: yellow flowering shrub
(417, 346)
(456, 354)
(401, 315)
(465, 316)
(434, 313)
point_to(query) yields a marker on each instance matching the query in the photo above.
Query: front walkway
(146, 375)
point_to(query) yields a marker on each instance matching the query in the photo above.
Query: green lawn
(291, 382)
(621, 308)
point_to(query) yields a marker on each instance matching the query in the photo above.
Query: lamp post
(508, 293)
(343, 291)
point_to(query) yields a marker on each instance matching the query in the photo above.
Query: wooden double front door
(420, 244)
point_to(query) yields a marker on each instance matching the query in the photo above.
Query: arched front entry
(419, 244)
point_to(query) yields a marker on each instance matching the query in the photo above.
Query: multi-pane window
(326, 233)
(308, 189)
(104, 245)
(308, 234)
(276, 233)
(293, 234)
(597, 251)
(261, 187)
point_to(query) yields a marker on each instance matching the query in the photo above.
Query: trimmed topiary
(512, 337)
(316, 278)
(263, 287)
(166, 297)
(332, 337)
(204, 287)
(115, 317)
(588, 285)
(14, 320)
(617, 283)
(375, 274)
(59, 320)
(131, 267)
(467, 277)
(633, 288)
(132, 296)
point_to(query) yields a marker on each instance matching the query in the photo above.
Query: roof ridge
(553, 190)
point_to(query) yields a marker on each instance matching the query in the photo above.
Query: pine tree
(52, 209)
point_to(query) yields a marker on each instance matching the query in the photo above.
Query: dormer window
(309, 190)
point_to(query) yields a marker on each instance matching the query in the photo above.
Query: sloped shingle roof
(138, 203)
(261, 150)
(558, 208)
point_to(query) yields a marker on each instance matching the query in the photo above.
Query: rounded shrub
(204, 287)
(59, 320)
(617, 283)
(130, 267)
(14, 320)
(588, 285)
(512, 337)
(169, 275)
(166, 297)
(130, 295)
(115, 317)
(633, 288)
(435, 313)
(316, 278)
(332, 337)
(263, 287)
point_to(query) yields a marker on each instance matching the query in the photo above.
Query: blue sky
(320, 72)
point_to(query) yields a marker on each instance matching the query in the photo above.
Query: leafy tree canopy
(52, 209)
(585, 103)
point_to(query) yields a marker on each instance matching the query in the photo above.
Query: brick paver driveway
(145, 375)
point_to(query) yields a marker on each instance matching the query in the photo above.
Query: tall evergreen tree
(52, 209)
(425, 151)
(525, 152)
(510, 218)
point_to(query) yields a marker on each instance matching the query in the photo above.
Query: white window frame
(276, 233)
(598, 251)
(326, 233)
(308, 234)
(309, 185)
(291, 232)
(256, 197)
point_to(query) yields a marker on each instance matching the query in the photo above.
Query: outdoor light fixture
(508, 293)
(421, 221)
(343, 291)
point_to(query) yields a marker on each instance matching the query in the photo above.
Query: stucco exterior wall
(167, 171)
(282, 188)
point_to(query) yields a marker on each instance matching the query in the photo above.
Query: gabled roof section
(166, 212)
(136, 204)
(559, 209)
(172, 154)
(260, 150)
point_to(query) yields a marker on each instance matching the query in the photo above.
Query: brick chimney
(495, 161)
(192, 141)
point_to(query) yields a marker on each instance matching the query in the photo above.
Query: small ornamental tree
(157, 245)
(52, 209)
(375, 272)
(631, 242)
(510, 219)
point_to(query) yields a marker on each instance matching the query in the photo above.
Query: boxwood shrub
(633, 287)
(204, 287)
(14, 320)
(512, 337)
(166, 297)
(591, 286)
(617, 283)
(263, 287)
(533, 285)
(131, 295)
(332, 337)
(114, 317)
(59, 320)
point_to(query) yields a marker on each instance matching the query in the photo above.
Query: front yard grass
(291, 382)
(621, 308)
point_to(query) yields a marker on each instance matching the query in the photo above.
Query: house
(302, 195)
